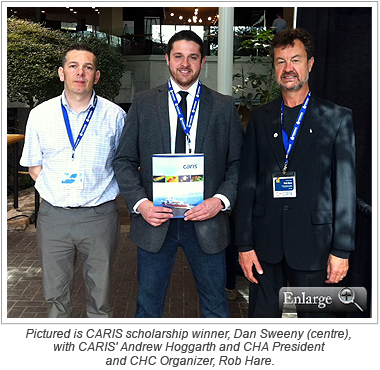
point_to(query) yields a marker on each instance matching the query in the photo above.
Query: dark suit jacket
(321, 219)
(147, 132)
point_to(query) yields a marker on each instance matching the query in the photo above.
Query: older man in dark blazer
(296, 195)
(204, 232)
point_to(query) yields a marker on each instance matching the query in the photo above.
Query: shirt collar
(192, 90)
(67, 106)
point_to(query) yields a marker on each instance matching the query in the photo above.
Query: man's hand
(207, 209)
(155, 216)
(247, 260)
(336, 269)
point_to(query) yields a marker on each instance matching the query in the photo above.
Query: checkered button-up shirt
(47, 144)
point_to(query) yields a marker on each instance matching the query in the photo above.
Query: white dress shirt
(174, 117)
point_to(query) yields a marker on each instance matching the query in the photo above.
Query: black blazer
(147, 132)
(321, 219)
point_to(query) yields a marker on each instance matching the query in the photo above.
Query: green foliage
(34, 54)
(259, 44)
(110, 63)
(264, 85)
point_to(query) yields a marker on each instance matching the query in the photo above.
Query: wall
(144, 72)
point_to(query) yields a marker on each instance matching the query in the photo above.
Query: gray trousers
(93, 232)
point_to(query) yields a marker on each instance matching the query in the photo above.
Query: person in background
(70, 143)
(296, 195)
(232, 261)
(279, 23)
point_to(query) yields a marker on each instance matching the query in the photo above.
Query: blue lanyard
(84, 126)
(186, 126)
(289, 142)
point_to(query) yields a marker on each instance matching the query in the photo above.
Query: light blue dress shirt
(47, 144)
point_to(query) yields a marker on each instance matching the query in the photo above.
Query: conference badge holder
(73, 178)
(284, 185)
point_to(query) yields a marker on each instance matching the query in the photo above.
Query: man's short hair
(82, 47)
(188, 36)
(288, 36)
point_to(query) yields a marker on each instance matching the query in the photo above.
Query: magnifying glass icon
(347, 296)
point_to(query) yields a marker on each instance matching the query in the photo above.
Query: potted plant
(255, 87)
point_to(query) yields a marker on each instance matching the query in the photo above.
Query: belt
(89, 206)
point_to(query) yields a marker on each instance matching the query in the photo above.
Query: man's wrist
(224, 201)
(136, 206)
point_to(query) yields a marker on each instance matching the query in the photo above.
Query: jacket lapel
(205, 105)
(273, 130)
(162, 107)
(311, 126)
(309, 131)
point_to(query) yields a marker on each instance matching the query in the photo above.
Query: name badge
(284, 185)
(72, 179)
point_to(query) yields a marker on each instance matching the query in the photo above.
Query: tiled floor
(25, 298)
(24, 283)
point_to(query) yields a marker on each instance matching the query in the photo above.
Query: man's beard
(297, 87)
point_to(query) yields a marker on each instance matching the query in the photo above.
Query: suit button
(286, 208)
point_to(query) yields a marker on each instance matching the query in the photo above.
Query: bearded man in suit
(203, 233)
(296, 194)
